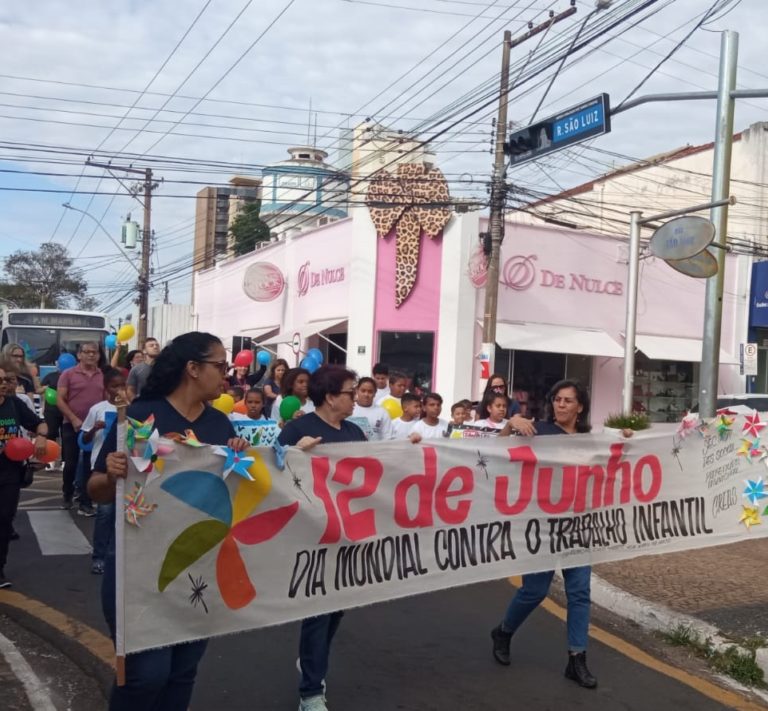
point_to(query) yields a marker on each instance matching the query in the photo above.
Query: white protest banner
(352, 524)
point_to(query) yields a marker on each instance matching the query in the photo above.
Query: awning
(556, 339)
(258, 332)
(304, 330)
(673, 348)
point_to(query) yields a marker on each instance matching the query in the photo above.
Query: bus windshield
(43, 345)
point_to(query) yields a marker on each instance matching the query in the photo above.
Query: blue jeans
(155, 680)
(314, 649)
(103, 530)
(534, 590)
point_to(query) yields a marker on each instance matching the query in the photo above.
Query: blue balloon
(110, 341)
(310, 364)
(263, 358)
(66, 361)
(317, 354)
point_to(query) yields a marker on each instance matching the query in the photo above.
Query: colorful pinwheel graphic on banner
(723, 424)
(153, 457)
(755, 491)
(139, 430)
(750, 516)
(229, 524)
(237, 462)
(412, 201)
(751, 449)
(136, 505)
(752, 424)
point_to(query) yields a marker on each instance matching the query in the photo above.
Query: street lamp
(104, 230)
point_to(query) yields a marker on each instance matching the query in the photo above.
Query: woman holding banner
(184, 378)
(332, 391)
(568, 413)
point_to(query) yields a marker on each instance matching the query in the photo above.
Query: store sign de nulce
(521, 273)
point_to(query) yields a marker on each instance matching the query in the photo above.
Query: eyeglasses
(351, 392)
(222, 365)
(18, 355)
(8, 380)
(90, 352)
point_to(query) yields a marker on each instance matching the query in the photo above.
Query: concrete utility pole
(146, 242)
(499, 187)
(721, 180)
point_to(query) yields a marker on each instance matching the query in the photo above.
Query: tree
(45, 278)
(248, 229)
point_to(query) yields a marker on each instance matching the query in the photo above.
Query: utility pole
(499, 190)
(721, 179)
(146, 241)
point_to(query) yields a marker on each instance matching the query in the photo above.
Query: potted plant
(634, 421)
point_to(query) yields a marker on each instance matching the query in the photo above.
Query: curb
(660, 618)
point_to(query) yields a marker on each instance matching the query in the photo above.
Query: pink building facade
(561, 311)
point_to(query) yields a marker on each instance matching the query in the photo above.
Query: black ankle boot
(578, 671)
(501, 645)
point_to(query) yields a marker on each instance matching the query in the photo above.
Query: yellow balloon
(224, 403)
(126, 333)
(392, 407)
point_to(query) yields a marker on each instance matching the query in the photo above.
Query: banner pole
(120, 555)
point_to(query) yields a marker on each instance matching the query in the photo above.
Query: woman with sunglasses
(14, 357)
(185, 377)
(568, 413)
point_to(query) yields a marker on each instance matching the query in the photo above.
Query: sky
(233, 80)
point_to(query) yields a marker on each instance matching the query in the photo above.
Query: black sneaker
(4, 582)
(501, 640)
(87, 510)
(66, 503)
(578, 671)
(97, 567)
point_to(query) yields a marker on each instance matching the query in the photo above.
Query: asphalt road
(427, 653)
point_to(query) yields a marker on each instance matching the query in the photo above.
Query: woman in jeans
(185, 377)
(568, 413)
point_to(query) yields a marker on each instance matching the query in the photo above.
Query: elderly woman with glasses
(14, 357)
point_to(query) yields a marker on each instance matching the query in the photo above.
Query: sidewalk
(725, 586)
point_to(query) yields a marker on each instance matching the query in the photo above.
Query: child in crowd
(370, 418)
(493, 411)
(431, 426)
(381, 378)
(236, 393)
(398, 382)
(95, 428)
(254, 406)
(403, 426)
(459, 413)
(296, 383)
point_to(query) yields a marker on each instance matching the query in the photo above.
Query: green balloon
(50, 396)
(289, 406)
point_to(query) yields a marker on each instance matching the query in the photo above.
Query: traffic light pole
(499, 194)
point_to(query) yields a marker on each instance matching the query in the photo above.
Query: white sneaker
(313, 703)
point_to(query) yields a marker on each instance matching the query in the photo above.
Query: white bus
(44, 334)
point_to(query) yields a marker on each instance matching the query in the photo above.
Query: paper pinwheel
(688, 425)
(230, 523)
(236, 462)
(153, 457)
(752, 424)
(750, 448)
(189, 438)
(139, 430)
(755, 491)
(724, 424)
(136, 505)
(750, 516)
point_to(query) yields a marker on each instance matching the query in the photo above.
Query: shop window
(335, 356)
(409, 351)
(664, 390)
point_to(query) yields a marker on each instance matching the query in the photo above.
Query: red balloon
(52, 452)
(18, 449)
(243, 359)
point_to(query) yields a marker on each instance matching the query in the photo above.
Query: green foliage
(635, 421)
(248, 229)
(739, 663)
(46, 278)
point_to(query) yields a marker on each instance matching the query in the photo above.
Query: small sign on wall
(748, 359)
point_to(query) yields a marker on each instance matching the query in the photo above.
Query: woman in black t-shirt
(184, 378)
(332, 391)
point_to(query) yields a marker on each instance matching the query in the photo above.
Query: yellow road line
(98, 644)
(704, 687)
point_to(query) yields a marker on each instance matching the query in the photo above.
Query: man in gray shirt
(137, 378)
